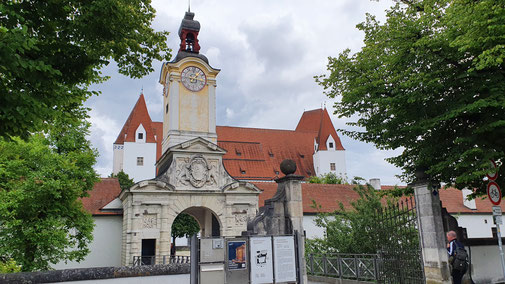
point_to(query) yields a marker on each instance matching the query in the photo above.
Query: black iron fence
(159, 259)
(346, 266)
(398, 243)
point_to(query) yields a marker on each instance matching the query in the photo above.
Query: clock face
(193, 78)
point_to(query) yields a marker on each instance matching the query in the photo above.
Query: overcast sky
(268, 52)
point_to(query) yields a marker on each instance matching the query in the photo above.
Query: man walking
(453, 248)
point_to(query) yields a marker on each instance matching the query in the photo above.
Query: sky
(268, 52)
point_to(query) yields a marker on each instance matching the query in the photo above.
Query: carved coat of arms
(197, 172)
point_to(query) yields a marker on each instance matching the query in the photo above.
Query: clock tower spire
(189, 90)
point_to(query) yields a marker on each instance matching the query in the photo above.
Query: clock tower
(189, 91)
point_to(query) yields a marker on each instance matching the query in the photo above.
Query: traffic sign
(494, 193)
(493, 171)
(497, 211)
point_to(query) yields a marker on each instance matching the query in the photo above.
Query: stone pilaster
(432, 237)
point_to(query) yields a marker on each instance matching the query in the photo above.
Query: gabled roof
(102, 194)
(139, 115)
(319, 121)
(255, 153)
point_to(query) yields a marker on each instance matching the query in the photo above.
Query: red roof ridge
(257, 128)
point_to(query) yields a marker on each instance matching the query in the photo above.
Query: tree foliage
(184, 225)
(51, 51)
(430, 80)
(357, 230)
(349, 231)
(328, 178)
(41, 181)
(125, 182)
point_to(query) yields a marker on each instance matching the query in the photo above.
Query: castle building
(252, 153)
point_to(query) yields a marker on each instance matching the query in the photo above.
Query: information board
(261, 260)
(285, 261)
(237, 255)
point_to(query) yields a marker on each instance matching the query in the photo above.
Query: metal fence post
(356, 267)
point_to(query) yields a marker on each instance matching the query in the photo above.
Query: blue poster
(237, 255)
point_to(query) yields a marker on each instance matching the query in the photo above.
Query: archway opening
(193, 220)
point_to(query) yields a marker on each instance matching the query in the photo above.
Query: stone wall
(96, 273)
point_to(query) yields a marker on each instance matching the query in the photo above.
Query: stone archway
(191, 179)
(210, 225)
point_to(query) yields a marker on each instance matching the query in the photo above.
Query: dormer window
(237, 151)
(141, 136)
(331, 145)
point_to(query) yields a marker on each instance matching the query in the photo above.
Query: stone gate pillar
(431, 234)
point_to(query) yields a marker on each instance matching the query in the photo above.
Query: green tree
(125, 182)
(41, 181)
(430, 81)
(184, 226)
(328, 178)
(357, 230)
(51, 51)
(349, 231)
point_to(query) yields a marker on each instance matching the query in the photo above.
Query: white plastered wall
(322, 160)
(311, 230)
(105, 249)
(139, 148)
(477, 225)
(118, 151)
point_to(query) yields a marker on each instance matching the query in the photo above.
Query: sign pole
(501, 248)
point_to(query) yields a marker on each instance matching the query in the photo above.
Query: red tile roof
(328, 196)
(139, 115)
(255, 154)
(318, 120)
(102, 194)
(452, 199)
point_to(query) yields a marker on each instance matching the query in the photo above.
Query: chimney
(470, 204)
(375, 183)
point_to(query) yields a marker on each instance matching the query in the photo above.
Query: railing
(348, 266)
(159, 259)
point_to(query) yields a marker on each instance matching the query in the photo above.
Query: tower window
(141, 136)
(166, 108)
(332, 167)
(331, 145)
(140, 161)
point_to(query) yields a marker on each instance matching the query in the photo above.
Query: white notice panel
(285, 262)
(261, 260)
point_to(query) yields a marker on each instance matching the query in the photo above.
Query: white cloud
(268, 53)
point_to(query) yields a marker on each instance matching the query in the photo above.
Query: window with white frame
(332, 167)
(140, 161)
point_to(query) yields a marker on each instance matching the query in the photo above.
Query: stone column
(294, 209)
(431, 233)
(165, 232)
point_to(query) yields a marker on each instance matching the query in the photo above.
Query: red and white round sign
(494, 193)
(493, 173)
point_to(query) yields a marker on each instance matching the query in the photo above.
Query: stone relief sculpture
(196, 171)
(149, 221)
